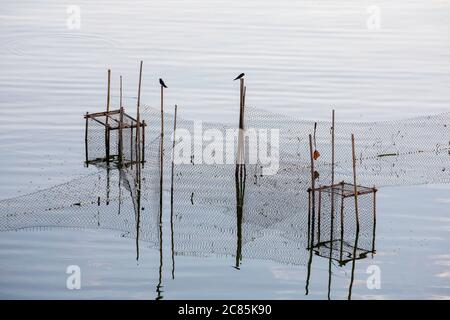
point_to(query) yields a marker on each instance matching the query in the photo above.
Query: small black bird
(161, 82)
(239, 76)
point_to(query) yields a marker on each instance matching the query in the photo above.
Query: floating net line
(270, 219)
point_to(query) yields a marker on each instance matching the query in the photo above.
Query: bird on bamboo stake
(239, 76)
(161, 82)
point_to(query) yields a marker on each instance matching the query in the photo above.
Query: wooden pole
(241, 122)
(107, 135)
(159, 285)
(86, 140)
(332, 164)
(312, 206)
(121, 137)
(161, 155)
(143, 141)
(342, 220)
(109, 90)
(309, 216)
(138, 119)
(121, 105)
(121, 126)
(313, 190)
(107, 132)
(332, 206)
(131, 146)
(374, 218)
(171, 191)
(318, 215)
(355, 187)
(173, 153)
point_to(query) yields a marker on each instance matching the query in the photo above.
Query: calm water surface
(300, 58)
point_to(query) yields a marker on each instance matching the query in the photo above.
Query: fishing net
(254, 214)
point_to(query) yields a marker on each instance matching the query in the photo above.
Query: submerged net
(264, 217)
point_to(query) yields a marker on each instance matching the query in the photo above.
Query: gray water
(301, 59)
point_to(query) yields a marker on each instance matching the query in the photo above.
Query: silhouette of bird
(161, 82)
(239, 76)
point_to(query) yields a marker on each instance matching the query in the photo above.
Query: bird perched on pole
(239, 76)
(161, 82)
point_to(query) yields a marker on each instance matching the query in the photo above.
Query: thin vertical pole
(241, 122)
(158, 287)
(107, 185)
(86, 140)
(107, 131)
(121, 105)
(109, 91)
(121, 126)
(374, 218)
(309, 216)
(171, 191)
(131, 146)
(318, 215)
(355, 187)
(355, 190)
(313, 190)
(332, 206)
(342, 220)
(161, 155)
(332, 164)
(313, 204)
(107, 135)
(138, 121)
(143, 141)
(121, 137)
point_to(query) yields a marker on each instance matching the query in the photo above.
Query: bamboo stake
(121, 138)
(86, 140)
(107, 132)
(241, 120)
(357, 218)
(109, 91)
(143, 142)
(342, 222)
(159, 285)
(171, 191)
(120, 126)
(312, 206)
(138, 132)
(354, 182)
(138, 119)
(309, 215)
(318, 215)
(313, 190)
(332, 205)
(332, 164)
(131, 147)
(374, 219)
(121, 92)
(161, 154)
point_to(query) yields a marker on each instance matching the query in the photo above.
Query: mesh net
(256, 216)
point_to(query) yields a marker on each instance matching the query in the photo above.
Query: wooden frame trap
(341, 226)
(114, 137)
